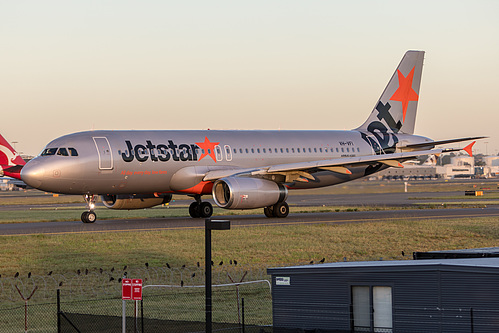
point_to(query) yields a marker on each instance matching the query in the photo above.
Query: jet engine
(247, 193)
(134, 201)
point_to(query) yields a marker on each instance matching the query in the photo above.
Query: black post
(207, 265)
(210, 225)
(58, 310)
(242, 313)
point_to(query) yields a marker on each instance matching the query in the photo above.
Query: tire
(269, 211)
(205, 209)
(84, 217)
(88, 217)
(194, 210)
(281, 209)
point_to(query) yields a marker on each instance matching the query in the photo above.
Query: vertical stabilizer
(8, 155)
(395, 111)
(10, 161)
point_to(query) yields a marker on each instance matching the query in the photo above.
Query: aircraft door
(105, 153)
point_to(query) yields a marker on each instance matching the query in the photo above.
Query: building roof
(462, 253)
(475, 264)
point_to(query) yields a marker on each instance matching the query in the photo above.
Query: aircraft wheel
(269, 211)
(194, 210)
(281, 209)
(88, 217)
(206, 209)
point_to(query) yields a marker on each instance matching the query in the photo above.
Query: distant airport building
(435, 295)
(490, 169)
(10, 184)
(460, 167)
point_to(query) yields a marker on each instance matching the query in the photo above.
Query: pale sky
(68, 66)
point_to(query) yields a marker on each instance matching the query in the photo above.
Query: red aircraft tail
(10, 161)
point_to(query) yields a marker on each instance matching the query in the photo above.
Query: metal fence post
(142, 315)
(242, 314)
(58, 310)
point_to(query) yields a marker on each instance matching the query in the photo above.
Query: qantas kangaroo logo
(382, 136)
(7, 157)
(164, 152)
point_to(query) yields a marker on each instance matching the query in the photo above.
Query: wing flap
(301, 171)
(345, 162)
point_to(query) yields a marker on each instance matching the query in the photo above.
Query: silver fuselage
(144, 162)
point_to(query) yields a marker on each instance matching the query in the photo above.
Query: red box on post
(137, 289)
(126, 289)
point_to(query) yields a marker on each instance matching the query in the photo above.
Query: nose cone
(33, 173)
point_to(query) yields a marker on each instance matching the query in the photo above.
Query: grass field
(263, 246)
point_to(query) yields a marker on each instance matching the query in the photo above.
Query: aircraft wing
(302, 170)
(431, 144)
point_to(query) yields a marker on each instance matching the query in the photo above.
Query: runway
(153, 224)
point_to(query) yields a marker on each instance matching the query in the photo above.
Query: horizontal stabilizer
(468, 149)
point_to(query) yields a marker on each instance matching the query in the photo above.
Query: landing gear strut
(89, 216)
(200, 208)
(280, 209)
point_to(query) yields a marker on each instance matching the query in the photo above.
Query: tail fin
(10, 161)
(396, 109)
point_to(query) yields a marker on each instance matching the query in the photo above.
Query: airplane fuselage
(140, 162)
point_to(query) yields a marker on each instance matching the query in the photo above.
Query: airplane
(10, 161)
(241, 169)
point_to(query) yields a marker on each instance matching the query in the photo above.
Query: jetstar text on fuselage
(161, 152)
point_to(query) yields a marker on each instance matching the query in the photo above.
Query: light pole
(210, 225)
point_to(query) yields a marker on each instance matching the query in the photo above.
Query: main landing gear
(200, 208)
(280, 209)
(89, 216)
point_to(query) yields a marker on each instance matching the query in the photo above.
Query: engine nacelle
(134, 201)
(247, 193)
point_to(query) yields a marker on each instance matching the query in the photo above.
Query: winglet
(469, 148)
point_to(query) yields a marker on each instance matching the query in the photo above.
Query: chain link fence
(92, 297)
(166, 309)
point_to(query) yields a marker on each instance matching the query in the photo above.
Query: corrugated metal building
(459, 295)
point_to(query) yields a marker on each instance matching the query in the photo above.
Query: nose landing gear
(89, 216)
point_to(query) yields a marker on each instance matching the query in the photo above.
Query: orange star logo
(208, 148)
(405, 93)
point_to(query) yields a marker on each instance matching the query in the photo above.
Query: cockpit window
(63, 152)
(59, 152)
(49, 151)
